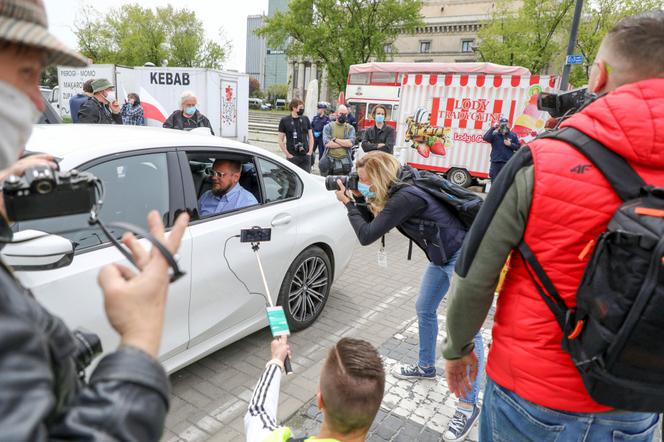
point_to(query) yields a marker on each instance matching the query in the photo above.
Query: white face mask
(110, 96)
(17, 115)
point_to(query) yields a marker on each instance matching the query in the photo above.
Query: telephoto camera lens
(349, 181)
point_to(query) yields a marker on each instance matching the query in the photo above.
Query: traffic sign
(574, 59)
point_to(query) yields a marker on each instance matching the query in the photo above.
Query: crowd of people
(542, 203)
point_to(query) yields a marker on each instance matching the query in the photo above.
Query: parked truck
(222, 96)
(441, 110)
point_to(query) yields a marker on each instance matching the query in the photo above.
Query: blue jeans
(435, 282)
(509, 418)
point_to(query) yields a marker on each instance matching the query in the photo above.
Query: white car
(149, 168)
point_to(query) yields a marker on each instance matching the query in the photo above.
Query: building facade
(256, 51)
(449, 33)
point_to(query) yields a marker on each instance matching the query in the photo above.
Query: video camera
(44, 193)
(350, 181)
(565, 104)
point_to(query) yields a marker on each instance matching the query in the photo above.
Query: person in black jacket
(102, 107)
(188, 117)
(384, 200)
(42, 392)
(380, 136)
(504, 143)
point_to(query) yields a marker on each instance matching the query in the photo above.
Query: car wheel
(460, 177)
(306, 288)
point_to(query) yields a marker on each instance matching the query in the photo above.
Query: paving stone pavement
(210, 397)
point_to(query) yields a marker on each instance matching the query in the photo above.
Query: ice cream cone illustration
(529, 123)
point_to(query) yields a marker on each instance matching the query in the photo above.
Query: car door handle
(281, 220)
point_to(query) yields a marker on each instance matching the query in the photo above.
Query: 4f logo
(581, 168)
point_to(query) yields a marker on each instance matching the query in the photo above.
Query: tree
(133, 35)
(528, 37)
(535, 35)
(340, 33)
(599, 17)
(49, 77)
(254, 86)
(275, 91)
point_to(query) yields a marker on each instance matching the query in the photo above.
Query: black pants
(495, 169)
(302, 161)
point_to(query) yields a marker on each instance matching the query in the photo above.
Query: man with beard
(226, 194)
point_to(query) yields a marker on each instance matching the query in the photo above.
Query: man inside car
(226, 193)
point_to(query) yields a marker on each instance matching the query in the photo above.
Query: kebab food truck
(222, 95)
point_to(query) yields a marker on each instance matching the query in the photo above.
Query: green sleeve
(471, 295)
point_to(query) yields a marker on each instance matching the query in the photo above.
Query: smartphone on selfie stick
(275, 315)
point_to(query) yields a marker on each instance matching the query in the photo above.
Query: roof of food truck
(450, 68)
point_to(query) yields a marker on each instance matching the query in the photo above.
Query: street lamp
(572, 42)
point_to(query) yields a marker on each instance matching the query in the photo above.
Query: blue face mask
(380, 118)
(191, 110)
(364, 190)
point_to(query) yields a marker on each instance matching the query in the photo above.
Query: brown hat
(24, 22)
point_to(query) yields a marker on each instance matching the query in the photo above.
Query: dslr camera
(350, 181)
(45, 193)
(567, 103)
(298, 148)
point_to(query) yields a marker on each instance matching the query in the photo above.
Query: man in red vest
(552, 197)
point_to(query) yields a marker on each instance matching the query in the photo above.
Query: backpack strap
(545, 287)
(624, 180)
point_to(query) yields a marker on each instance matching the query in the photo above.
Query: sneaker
(460, 425)
(414, 372)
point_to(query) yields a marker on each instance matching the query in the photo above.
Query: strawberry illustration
(438, 148)
(423, 150)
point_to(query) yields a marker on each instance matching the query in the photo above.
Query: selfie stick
(275, 315)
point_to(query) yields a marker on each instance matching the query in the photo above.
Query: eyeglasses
(213, 173)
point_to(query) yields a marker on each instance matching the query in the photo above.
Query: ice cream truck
(443, 115)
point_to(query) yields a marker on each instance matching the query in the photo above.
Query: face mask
(190, 110)
(380, 119)
(300, 112)
(110, 96)
(17, 115)
(364, 190)
(341, 118)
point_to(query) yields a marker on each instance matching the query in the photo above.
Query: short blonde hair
(185, 96)
(382, 169)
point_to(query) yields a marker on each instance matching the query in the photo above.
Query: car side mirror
(44, 252)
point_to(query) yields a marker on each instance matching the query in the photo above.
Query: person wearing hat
(504, 143)
(77, 100)
(44, 395)
(319, 122)
(102, 107)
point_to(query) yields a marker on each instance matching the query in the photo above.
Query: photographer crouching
(43, 397)
(384, 199)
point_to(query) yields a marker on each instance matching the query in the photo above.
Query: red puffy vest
(571, 205)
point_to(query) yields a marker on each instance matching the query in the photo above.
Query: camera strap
(168, 256)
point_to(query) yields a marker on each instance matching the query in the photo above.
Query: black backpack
(615, 335)
(463, 203)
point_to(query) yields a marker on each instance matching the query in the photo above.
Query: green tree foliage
(599, 17)
(132, 35)
(275, 91)
(339, 33)
(254, 87)
(529, 36)
(536, 34)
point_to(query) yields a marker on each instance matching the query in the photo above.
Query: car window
(133, 186)
(209, 203)
(279, 183)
